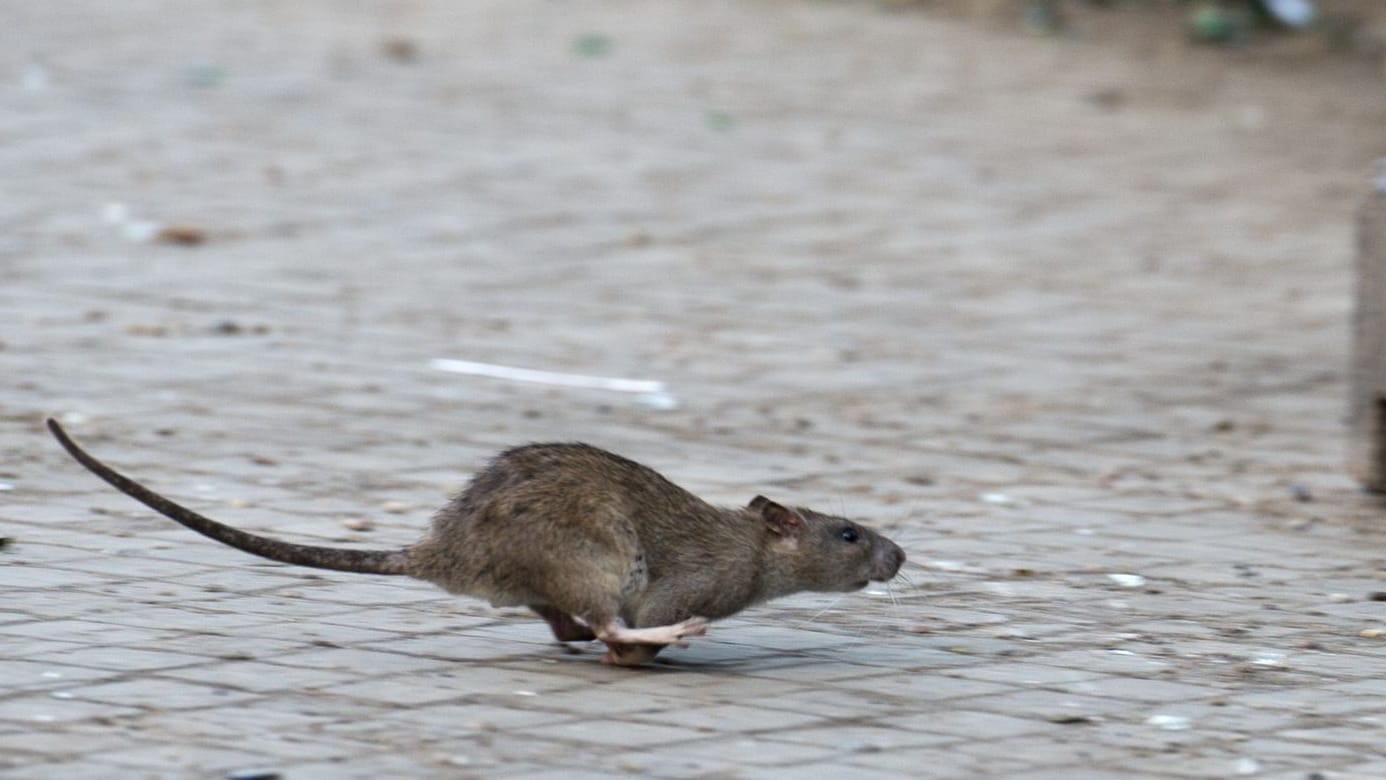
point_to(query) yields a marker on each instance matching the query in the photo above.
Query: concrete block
(1367, 411)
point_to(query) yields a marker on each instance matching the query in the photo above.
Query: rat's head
(825, 553)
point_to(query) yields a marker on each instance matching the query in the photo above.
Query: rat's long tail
(339, 559)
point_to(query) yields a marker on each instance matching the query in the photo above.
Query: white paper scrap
(547, 377)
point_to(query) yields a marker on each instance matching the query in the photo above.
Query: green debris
(1214, 22)
(205, 76)
(720, 121)
(592, 46)
(1042, 17)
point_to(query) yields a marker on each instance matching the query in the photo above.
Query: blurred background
(987, 232)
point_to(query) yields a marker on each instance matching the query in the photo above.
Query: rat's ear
(782, 521)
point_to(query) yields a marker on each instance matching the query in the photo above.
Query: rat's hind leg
(658, 614)
(565, 627)
(632, 646)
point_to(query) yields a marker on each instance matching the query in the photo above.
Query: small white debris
(1269, 660)
(1127, 580)
(1000, 499)
(358, 524)
(662, 402)
(526, 693)
(62, 694)
(115, 213)
(140, 231)
(1339, 598)
(1295, 14)
(957, 566)
(1248, 766)
(52, 675)
(495, 371)
(34, 76)
(394, 507)
(6, 486)
(1169, 722)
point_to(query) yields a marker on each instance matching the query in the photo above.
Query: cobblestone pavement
(1067, 322)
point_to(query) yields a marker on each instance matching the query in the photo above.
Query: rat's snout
(886, 561)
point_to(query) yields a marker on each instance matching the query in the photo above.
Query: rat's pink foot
(614, 632)
(634, 646)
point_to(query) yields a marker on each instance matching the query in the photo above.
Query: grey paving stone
(825, 769)
(1028, 674)
(915, 688)
(25, 648)
(1055, 706)
(541, 773)
(970, 722)
(165, 694)
(71, 741)
(1079, 772)
(19, 578)
(35, 674)
(1135, 689)
(1065, 749)
(746, 756)
(81, 631)
(941, 761)
(1357, 770)
(123, 659)
(260, 676)
(183, 759)
(79, 768)
(732, 718)
(36, 709)
(352, 659)
(625, 733)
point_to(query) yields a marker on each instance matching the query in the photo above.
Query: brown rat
(578, 533)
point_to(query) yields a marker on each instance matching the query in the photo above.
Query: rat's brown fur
(573, 531)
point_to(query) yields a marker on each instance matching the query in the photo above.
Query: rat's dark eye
(849, 535)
